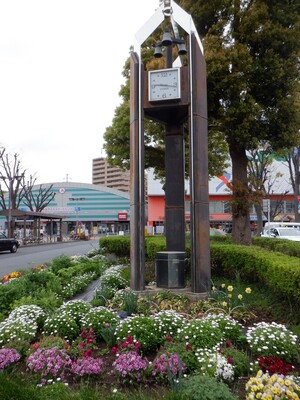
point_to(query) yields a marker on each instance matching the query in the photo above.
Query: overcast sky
(61, 67)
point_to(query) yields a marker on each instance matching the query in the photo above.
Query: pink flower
(7, 357)
(130, 367)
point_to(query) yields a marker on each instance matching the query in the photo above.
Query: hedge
(287, 247)
(120, 245)
(278, 271)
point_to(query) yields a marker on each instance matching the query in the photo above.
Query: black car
(10, 244)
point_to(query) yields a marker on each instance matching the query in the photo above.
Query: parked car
(10, 244)
(282, 233)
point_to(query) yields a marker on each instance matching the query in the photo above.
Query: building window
(227, 207)
(289, 206)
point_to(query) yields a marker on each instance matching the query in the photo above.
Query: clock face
(164, 84)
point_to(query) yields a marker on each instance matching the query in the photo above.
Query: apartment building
(109, 176)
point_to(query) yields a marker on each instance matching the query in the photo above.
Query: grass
(266, 304)
(18, 389)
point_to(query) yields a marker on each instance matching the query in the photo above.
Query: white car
(282, 233)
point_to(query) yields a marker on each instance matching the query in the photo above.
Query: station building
(84, 207)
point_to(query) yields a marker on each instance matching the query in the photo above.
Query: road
(30, 256)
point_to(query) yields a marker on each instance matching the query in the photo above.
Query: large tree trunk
(241, 232)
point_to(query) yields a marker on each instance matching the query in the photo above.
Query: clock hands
(164, 84)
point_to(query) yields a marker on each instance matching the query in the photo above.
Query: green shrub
(17, 329)
(29, 314)
(200, 334)
(62, 325)
(114, 277)
(169, 323)
(143, 329)
(48, 342)
(205, 388)
(9, 293)
(229, 327)
(66, 321)
(75, 309)
(272, 339)
(118, 245)
(37, 280)
(61, 262)
(77, 284)
(46, 299)
(240, 361)
(288, 247)
(280, 272)
(153, 244)
(98, 318)
(186, 354)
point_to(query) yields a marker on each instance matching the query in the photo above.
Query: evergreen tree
(252, 54)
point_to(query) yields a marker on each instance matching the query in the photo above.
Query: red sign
(122, 216)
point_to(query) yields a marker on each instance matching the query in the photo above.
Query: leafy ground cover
(121, 345)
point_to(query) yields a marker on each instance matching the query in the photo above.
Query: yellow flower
(230, 288)
(240, 296)
(213, 288)
(280, 381)
(223, 285)
(248, 290)
(275, 390)
(229, 295)
(224, 304)
(260, 386)
(258, 395)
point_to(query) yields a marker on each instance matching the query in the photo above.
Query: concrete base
(152, 290)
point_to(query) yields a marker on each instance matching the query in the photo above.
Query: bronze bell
(158, 52)
(167, 40)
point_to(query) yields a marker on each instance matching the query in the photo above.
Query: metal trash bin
(169, 268)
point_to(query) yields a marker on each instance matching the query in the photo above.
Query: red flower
(88, 353)
(274, 365)
(129, 339)
(169, 339)
(230, 360)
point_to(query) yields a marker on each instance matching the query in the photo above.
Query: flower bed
(163, 348)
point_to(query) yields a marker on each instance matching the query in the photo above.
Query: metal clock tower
(172, 96)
